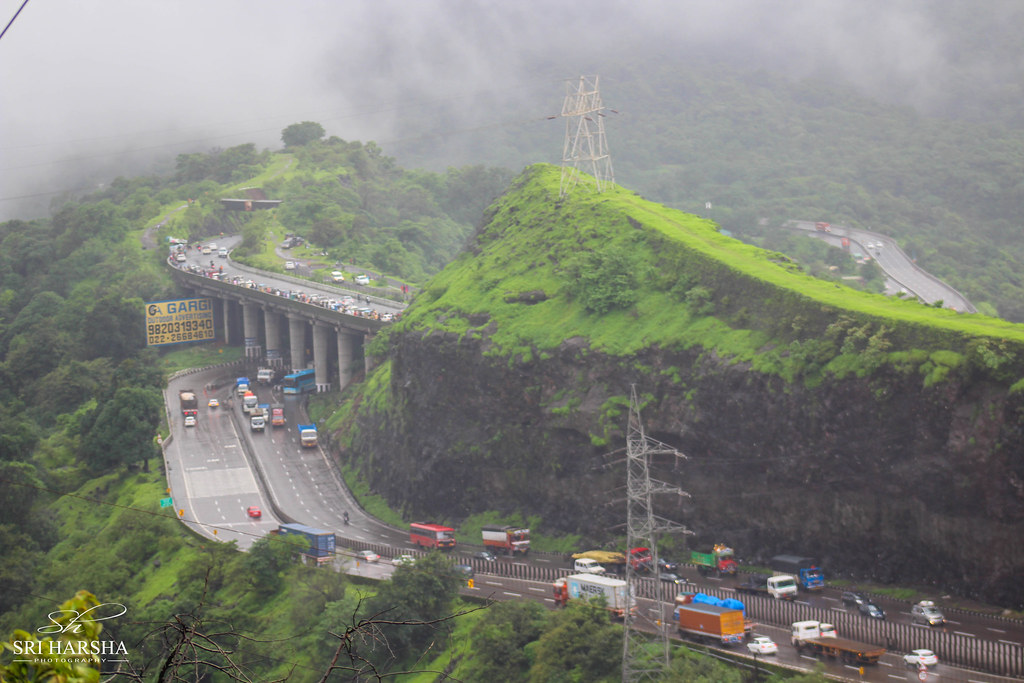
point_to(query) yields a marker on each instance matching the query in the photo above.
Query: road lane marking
(961, 633)
(514, 595)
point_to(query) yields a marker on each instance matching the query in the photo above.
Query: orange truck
(506, 539)
(723, 625)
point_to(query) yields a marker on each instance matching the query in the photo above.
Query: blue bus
(300, 382)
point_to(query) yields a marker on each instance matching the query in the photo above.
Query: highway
(219, 468)
(901, 271)
(228, 270)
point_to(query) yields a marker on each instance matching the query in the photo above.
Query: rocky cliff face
(883, 474)
(880, 478)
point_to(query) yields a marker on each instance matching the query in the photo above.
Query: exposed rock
(910, 469)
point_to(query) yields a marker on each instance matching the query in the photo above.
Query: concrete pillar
(272, 325)
(346, 355)
(321, 342)
(368, 364)
(251, 330)
(297, 333)
(226, 317)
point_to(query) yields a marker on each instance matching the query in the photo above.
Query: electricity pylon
(642, 526)
(585, 142)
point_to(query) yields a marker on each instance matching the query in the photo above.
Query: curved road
(219, 468)
(902, 272)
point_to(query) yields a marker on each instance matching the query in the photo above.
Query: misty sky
(95, 89)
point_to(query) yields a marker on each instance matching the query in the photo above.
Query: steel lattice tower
(585, 142)
(642, 527)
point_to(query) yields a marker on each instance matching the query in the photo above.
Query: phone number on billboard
(179, 331)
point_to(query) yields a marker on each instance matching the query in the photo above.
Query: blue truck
(807, 570)
(321, 543)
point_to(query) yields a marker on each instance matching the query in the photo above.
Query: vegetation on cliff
(627, 274)
(509, 376)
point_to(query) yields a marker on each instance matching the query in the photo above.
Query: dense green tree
(264, 563)
(604, 280)
(299, 134)
(581, 645)
(19, 488)
(500, 639)
(423, 593)
(124, 428)
(18, 435)
(114, 327)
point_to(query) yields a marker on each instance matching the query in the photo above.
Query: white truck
(307, 435)
(780, 586)
(264, 375)
(258, 418)
(616, 593)
(821, 639)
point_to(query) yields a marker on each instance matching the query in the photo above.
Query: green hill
(505, 387)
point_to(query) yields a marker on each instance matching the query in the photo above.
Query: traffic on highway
(232, 482)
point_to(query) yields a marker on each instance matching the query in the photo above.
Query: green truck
(719, 561)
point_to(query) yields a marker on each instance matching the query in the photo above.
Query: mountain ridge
(501, 390)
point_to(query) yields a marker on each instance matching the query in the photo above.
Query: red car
(254, 512)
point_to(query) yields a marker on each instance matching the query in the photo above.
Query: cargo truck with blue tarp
(321, 543)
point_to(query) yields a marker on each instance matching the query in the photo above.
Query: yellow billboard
(178, 321)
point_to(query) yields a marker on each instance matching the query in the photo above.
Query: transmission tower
(585, 142)
(642, 527)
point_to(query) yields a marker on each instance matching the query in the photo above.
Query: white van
(585, 565)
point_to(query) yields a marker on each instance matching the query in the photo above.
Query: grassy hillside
(625, 273)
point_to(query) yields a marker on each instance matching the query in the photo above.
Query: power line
(2, 33)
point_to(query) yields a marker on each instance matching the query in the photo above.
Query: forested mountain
(764, 149)
(80, 394)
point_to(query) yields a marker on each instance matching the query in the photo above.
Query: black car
(666, 566)
(484, 555)
(870, 609)
(669, 577)
(854, 598)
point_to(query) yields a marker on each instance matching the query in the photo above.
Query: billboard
(178, 321)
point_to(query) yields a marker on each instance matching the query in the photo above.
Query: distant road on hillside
(897, 266)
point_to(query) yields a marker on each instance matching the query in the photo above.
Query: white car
(403, 560)
(289, 265)
(919, 657)
(367, 556)
(190, 420)
(362, 279)
(763, 645)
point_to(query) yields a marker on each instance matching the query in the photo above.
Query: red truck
(823, 227)
(506, 539)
